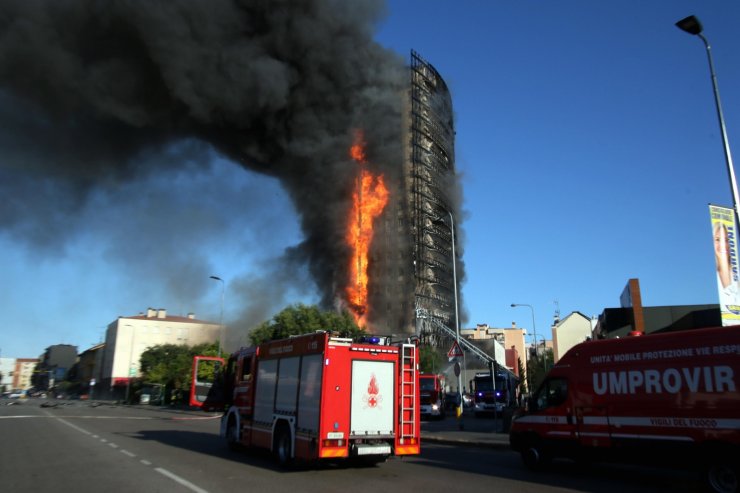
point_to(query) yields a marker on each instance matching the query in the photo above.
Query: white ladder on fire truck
(408, 391)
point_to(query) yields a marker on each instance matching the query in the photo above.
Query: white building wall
(500, 351)
(128, 337)
(572, 330)
(7, 367)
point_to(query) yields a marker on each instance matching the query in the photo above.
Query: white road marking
(75, 427)
(174, 477)
(180, 480)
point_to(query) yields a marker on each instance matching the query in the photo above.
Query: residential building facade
(54, 365)
(23, 373)
(569, 331)
(509, 337)
(89, 368)
(128, 337)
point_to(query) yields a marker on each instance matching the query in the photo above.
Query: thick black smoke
(87, 88)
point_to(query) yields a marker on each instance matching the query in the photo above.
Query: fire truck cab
(662, 399)
(316, 397)
(490, 398)
(431, 388)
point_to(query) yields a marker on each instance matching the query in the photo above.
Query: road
(75, 447)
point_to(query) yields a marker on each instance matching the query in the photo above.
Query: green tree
(523, 377)
(303, 319)
(538, 367)
(171, 365)
(430, 360)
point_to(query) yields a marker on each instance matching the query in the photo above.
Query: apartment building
(128, 337)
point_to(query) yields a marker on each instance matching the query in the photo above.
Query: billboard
(725, 256)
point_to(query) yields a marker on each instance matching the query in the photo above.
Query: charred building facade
(416, 289)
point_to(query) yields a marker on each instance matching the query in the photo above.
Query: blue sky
(588, 144)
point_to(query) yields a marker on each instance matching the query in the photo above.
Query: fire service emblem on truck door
(373, 397)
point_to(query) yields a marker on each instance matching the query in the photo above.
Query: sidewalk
(467, 431)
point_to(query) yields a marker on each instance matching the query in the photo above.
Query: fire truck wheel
(282, 447)
(722, 476)
(232, 435)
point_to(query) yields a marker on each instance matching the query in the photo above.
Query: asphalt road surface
(76, 448)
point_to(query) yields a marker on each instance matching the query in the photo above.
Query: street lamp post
(692, 26)
(457, 311)
(221, 320)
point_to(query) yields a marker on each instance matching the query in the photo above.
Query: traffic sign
(455, 351)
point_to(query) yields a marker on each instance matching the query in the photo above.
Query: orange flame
(368, 201)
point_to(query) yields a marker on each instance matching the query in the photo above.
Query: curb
(467, 442)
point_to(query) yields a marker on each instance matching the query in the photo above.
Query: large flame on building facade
(368, 201)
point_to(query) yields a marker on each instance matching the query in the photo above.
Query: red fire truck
(488, 400)
(317, 397)
(667, 399)
(432, 394)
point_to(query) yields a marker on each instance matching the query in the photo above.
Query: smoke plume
(91, 89)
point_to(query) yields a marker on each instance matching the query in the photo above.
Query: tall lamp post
(221, 321)
(692, 25)
(457, 311)
(534, 333)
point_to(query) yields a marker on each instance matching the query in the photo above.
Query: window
(552, 393)
(287, 384)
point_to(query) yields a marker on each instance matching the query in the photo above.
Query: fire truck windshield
(426, 383)
(484, 384)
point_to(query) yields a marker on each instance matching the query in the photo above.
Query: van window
(553, 392)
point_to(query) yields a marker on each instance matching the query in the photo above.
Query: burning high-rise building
(413, 277)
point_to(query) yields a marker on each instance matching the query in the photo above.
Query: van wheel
(534, 457)
(282, 447)
(722, 476)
